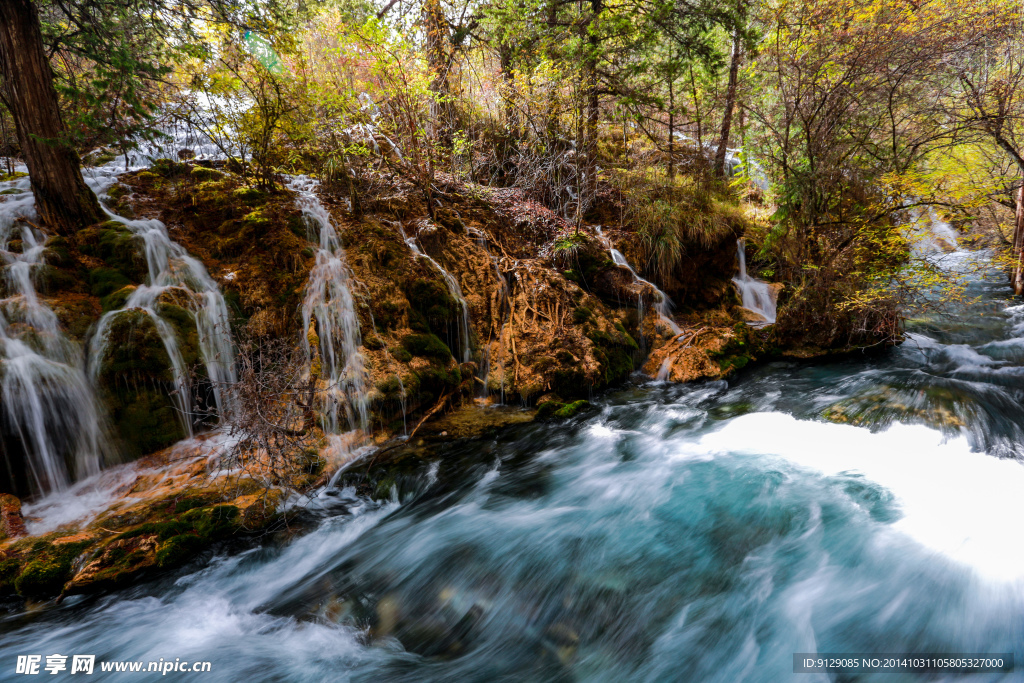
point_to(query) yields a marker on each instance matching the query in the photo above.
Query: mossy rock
(169, 168)
(178, 549)
(249, 195)
(400, 354)
(255, 223)
(571, 409)
(117, 299)
(116, 245)
(549, 410)
(426, 345)
(136, 376)
(58, 253)
(49, 279)
(106, 281)
(12, 190)
(9, 570)
(201, 173)
(49, 569)
(117, 191)
(134, 350)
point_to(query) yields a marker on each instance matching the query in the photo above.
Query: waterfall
(47, 400)
(328, 301)
(453, 289)
(756, 295)
(663, 307)
(173, 272)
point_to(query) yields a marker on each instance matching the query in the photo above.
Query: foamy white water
(961, 503)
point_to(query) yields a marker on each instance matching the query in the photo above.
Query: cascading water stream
(328, 301)
(173, 275)
(663, 306)
(47, 400)
(453, 289)
(503, 303)
(756, 295)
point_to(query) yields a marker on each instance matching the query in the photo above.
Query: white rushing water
(328, 305)
(756, 295)
(663, 306)
(454, 290)
(48, 402)
(174, 275)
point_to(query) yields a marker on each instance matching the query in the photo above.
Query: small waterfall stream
(173, 274)
(663, 307)
(485, 356)
(756, 295)
(48, 401)
(465, 354)
(328, 301)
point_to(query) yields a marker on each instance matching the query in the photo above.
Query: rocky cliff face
(486, 298)
(491, 295)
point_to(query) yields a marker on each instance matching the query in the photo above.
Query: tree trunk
(505, 56)
(730, 104)
(64, 202)
(552, 55)
(592, 105)
(671, 130)
(437, 59)
(1018, 244)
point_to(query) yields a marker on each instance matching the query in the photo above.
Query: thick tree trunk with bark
(64, 202)
(730, 105)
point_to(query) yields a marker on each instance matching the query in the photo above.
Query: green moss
(571, 409)
(426, 345)
(249, 195)
(49, 279)
(136, 377)
(400, 354)
(202, 173)
(297, 225)
(178, 550)
(168, 168)
(626, 336)
(116, 245)
(436, 381)
(162, 530)
(58, 253)
(190, 503)
(558, 410)
(430, 298)
(615, 353)
(117, 299)
(582, 315)
(117, 191)
(45, 574)
(390, 386)
(9, 570)
(106, 281)
(213, 523)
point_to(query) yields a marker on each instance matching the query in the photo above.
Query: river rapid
(702, 532)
